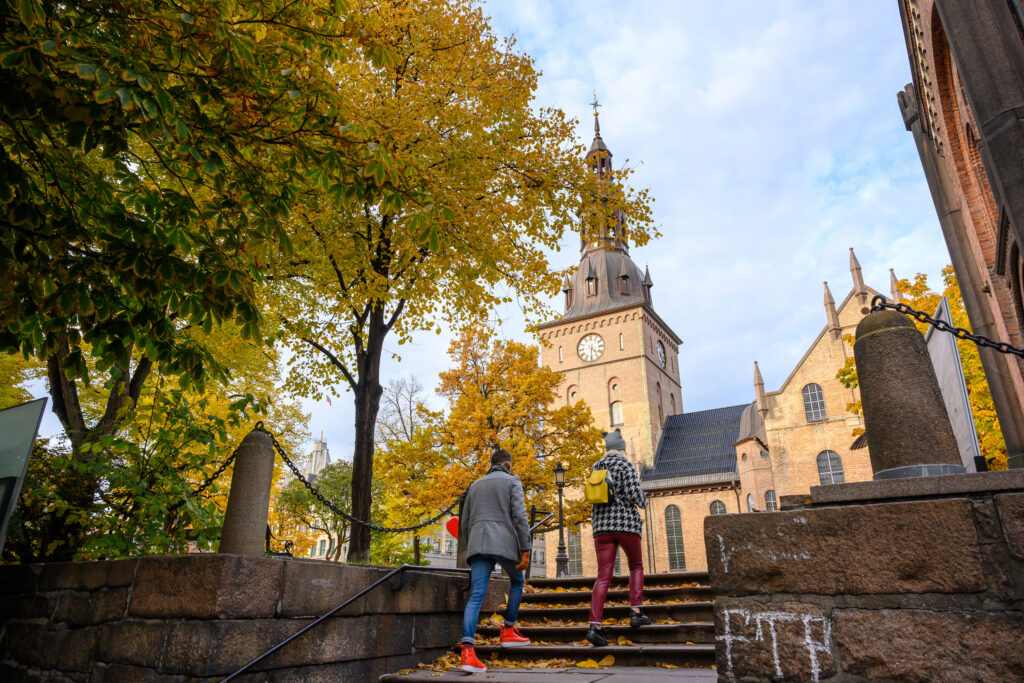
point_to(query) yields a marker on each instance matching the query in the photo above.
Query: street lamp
(562, 558)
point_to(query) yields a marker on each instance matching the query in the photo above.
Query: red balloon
(452, 525)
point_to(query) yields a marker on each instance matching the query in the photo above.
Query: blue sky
(769, 135)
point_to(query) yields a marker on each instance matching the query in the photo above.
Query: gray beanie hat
(613, 441)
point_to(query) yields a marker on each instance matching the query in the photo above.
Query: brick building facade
(964, 110)
(617, 354)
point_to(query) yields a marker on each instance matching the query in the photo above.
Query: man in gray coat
(494, 526)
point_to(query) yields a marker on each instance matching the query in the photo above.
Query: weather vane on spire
(595, 104)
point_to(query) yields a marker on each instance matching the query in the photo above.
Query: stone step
(651, 594)
(562, 674)
(620, 580)
(702, 611)
(694, 634)
(625, 655)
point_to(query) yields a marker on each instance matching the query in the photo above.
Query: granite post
(245, 522)
(908, 429)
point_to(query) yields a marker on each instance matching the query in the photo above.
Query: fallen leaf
(607, 660)
(588, 664)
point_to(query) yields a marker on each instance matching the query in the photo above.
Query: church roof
(606, 265)
(697, 448)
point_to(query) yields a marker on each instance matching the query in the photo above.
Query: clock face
(591, 347)
(661, 354)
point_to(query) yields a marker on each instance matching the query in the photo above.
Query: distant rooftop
(698, 447)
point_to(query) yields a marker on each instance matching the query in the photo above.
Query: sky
(770, 137)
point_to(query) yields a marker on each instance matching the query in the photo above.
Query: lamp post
(562, 558)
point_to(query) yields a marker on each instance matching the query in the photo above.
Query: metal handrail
(393, 572)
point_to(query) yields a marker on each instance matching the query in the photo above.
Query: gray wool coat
(493, 519)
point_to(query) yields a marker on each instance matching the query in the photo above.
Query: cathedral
(620, 357)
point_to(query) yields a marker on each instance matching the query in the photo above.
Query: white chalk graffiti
(765, 622)
(766, 552)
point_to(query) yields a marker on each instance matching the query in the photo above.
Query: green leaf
(181, 131)
(49, 48)
(187, 18)
(86, 70)
(105, 95)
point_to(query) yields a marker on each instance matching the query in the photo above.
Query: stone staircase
(554, 615)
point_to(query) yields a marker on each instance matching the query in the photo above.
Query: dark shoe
(597, 636)
(637, 619)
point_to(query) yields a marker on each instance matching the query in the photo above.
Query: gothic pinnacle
(894, 287)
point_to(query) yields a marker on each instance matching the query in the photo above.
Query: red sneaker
(470, 662)
(511, 637)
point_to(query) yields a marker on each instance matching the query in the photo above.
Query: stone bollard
(908, 429)
(245, 522)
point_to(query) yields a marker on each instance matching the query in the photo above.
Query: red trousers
(606, 546)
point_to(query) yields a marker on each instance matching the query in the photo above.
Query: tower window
(830, 468)
(717, 507)
(616, 410)
(814, 403)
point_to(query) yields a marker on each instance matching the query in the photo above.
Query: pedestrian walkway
(616, 674)
(679, 645)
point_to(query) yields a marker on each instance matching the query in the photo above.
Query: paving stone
(1011, 515)
(207, 586)
(848, 550)
(910, 645)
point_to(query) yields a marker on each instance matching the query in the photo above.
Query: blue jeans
(482, 566)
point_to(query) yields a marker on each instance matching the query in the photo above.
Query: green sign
(18, 428)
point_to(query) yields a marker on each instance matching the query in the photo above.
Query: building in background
(964, 110)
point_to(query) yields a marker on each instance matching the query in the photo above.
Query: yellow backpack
(596, 488)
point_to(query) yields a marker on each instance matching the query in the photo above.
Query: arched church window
(717, 507)
(830, 468)
(674, 533)
(616, 410)
(770, 503)
(750, 503)
(814, 403)
(560, 358)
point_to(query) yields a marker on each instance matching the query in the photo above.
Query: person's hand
(524, 560)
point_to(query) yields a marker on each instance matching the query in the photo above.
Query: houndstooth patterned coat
(619, 515)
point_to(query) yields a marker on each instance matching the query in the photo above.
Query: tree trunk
(367, 403)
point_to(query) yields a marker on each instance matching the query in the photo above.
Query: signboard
(18, 428)
(950, 373)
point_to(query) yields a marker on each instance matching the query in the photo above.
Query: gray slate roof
(698, 446)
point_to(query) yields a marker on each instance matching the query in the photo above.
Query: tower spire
(762, 401)
(858, 278)
(894, 287)
(830, 311)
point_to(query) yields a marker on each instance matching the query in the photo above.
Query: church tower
(614, 351)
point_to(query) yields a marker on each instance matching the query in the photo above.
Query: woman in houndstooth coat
(617, 524)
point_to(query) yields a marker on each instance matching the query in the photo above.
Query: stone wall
(201, 617)
(927, 586)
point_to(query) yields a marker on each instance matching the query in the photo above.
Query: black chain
(209, 480)
(880, 302)
(334, 508)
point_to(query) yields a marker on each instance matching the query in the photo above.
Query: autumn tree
(498, 396)
(470, 187)
(335, 483)
(917, 294)
(151, 155)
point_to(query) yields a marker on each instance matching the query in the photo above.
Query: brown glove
(524, 560)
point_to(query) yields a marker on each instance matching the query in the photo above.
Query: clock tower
(613, 350)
